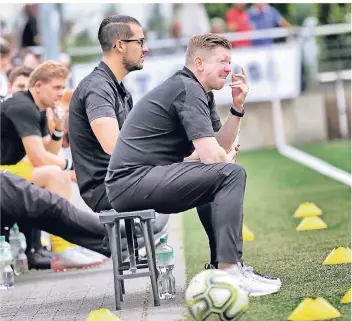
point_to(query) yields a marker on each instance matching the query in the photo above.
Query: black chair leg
(152, 245)
(153, 280)
(119, 256)
(130, 244)
(111, 228)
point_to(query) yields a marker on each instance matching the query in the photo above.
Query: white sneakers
(90, 253)
(260, 277)
(254, 283)
(72, 259)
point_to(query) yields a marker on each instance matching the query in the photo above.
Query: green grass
(275, 188)
(337, 153)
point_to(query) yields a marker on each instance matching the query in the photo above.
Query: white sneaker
(71, 259)
(260, 277)
(251, 285)
(90, 253)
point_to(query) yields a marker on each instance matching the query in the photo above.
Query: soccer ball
(215, 295)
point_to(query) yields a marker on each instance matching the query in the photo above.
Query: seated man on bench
(173, 121)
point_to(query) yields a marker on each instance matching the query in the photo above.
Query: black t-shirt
(30, 31)
(98, 95)
(160, 128)
(20, 117)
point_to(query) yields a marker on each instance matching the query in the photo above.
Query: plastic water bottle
(4, 244)
(7, 279)
(18, 246)
(165, 265)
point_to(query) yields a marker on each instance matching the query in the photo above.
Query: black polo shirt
(20, 117)
(98, 95)
(160, 128)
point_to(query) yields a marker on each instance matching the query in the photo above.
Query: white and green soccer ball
(214, 295)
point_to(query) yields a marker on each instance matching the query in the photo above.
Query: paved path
(71, 295)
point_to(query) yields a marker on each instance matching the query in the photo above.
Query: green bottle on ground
(165, 265)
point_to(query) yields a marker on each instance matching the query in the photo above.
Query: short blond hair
(208, 41)
(46, 71)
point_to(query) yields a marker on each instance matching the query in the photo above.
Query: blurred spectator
(176, 29)
(30, 60)
(264, 16)
(193, 18)
(217, 25)
(176, 34)
(65, 60)
(237, 20)
(5, 67)
(18, 79)
(3, 27)
(5, 57)
(30, 34)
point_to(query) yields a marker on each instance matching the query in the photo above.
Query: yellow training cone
(312, 310)
(308, 210)
(324, 310)
(311, 223)
(247, 234)
(301, 313)
(347, 298)
(102, 315)
(339, 255)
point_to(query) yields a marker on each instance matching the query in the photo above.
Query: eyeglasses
(140, 41)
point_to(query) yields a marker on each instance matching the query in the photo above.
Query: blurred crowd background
(289, 50)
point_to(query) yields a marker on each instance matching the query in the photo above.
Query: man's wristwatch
(57, 135)
(236, 113)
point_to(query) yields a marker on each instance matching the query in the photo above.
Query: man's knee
(235, 170)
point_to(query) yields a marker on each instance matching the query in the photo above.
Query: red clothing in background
(241, 20)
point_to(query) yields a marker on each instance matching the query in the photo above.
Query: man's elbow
(37, 160)
(108, 149)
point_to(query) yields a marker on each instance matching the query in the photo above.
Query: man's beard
(131, 66)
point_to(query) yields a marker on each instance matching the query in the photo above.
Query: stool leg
(135, 240)
(130, 244)
(150, 263)
(152, 244)
(119, 256)
(115, 262)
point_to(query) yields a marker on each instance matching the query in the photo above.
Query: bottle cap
(163, 240)
(15, 227)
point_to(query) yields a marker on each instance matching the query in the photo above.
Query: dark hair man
(100, 104)
(99, 107)
(19, 79)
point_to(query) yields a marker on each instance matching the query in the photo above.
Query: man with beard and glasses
(99, 107)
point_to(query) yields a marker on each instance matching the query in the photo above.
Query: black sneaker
(44, 252)
(38, 262)
(209, 266)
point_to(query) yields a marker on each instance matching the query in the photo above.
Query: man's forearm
(228, 132)
(48, 158)
(54, 146)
